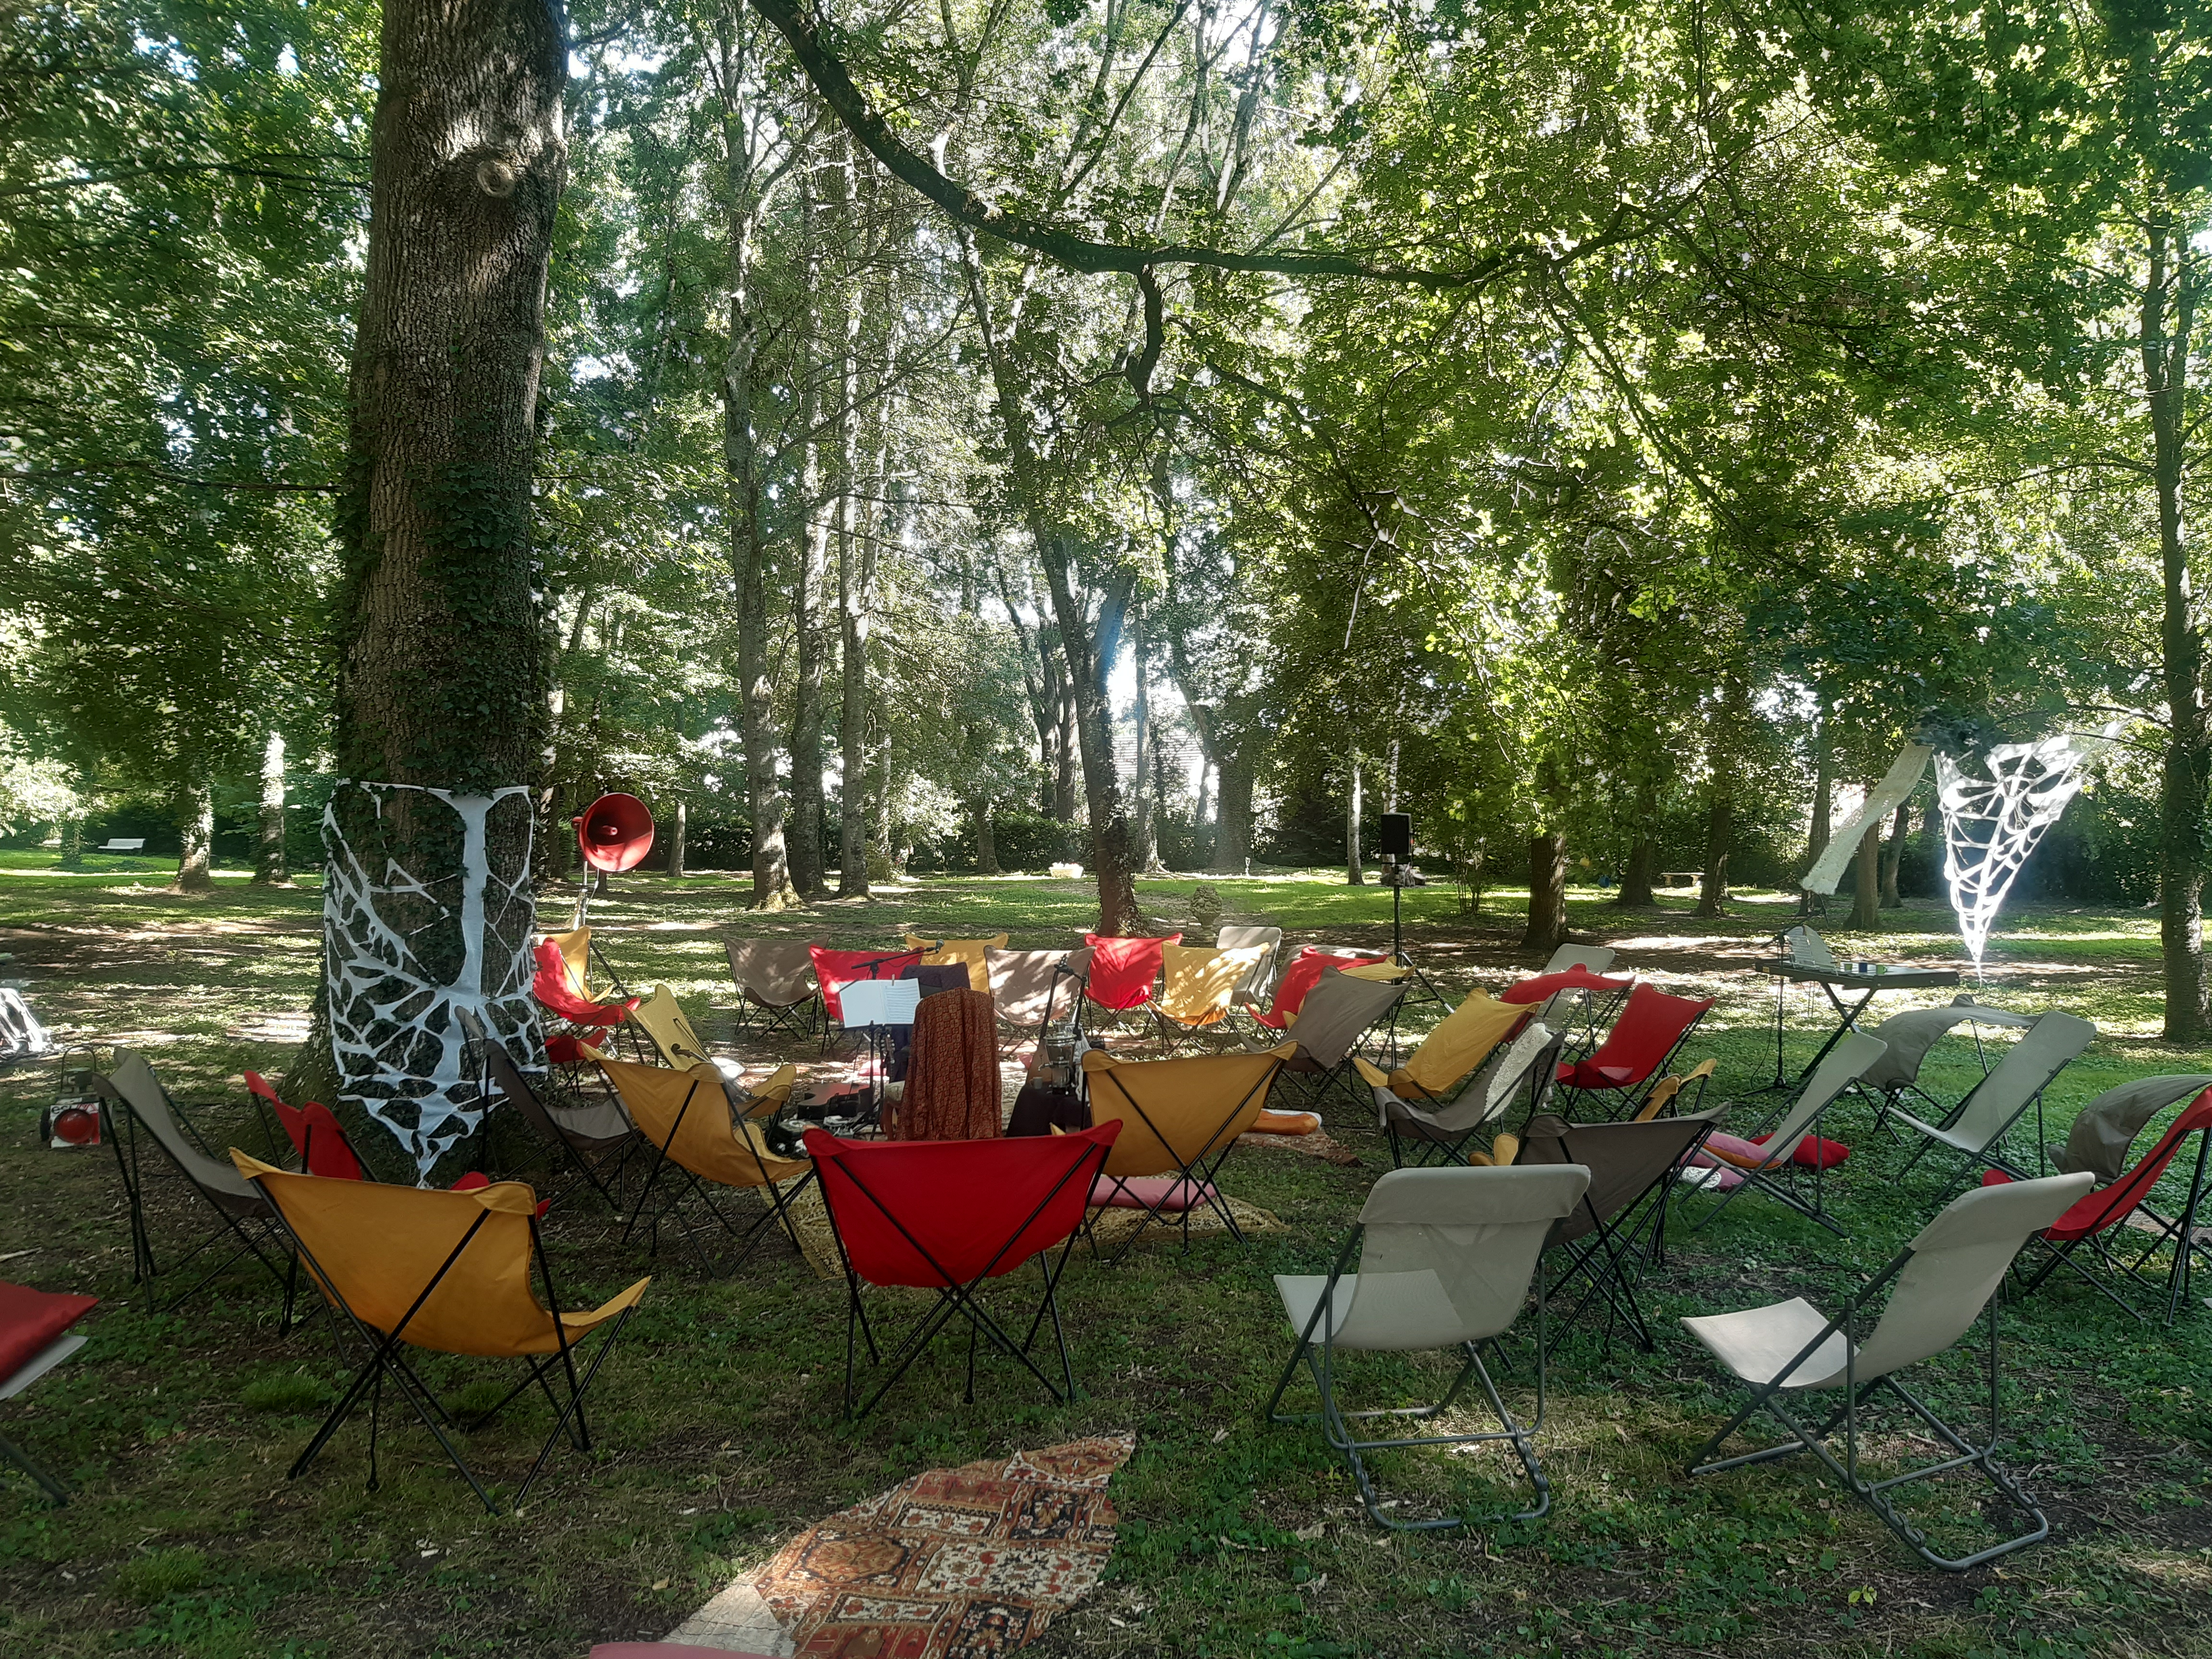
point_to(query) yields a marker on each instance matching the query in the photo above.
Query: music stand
(875, 1006)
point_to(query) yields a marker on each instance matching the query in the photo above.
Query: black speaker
(1394, 839)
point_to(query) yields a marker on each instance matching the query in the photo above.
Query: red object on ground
(835, 967)
(316, 1134)
(30, 1321)
(964, 1210)
(1122, 969)
(1650, 1029)
(1302, 975)
(615, 833)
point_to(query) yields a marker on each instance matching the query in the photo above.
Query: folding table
(1870, 985)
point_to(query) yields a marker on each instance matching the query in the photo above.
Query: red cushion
(1813, 1152)
(30, 1321)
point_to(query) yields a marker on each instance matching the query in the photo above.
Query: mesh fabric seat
(1773, 1166)
(1444, 1261)
(1201, 987)
(1572, 999)
(696, 1142)
(1437, 1134)
(1180, 1118)
(1972, 1132)
(1787, 1353)
(448, 1273)
(973, 954)
(949, 1217)
(1652, 1028)
(775, 976)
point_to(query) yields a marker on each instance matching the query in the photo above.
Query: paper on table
(879, 1001)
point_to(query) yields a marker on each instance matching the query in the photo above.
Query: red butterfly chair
(555, 992)
(947, 1216)
(1299, 979)
(1600, 999)
(1124, 970)
(2105, 1210)
(1636, 1052)
(834, 967)
(324, 1148)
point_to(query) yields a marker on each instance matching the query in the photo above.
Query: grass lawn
(718, 1431)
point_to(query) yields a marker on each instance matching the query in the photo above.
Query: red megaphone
(617, 834)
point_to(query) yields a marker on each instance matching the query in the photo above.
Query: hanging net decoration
(408, 950)
(1991, 825)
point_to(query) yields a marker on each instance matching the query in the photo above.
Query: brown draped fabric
(952, 1079)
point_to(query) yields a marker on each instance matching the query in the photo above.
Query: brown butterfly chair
(1026, 985)
(595, 1139)
(776, 977)
(1179, 1118)
(448, 1272)
(687, 1120)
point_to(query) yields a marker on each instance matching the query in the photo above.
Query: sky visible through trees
(981, 435)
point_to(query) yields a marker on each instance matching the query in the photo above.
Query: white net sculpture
(399, 1048)
(1991, 825)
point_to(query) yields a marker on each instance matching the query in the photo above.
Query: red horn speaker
(617, 834)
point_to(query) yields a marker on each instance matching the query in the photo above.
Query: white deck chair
(1845, 1064)
(1557, 1012)
(1978, 1125)
(1439, 1135)
(1913, 1033)
(1261, 979)
(1943, 1281)
(1445, 1261)
(1595, 957)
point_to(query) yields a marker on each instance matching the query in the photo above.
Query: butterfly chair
(1201, 988)
(661, 1017)
(776, 977)
(1911, 1034)
(1445, 1258)
(596, 1138)
(1643, 1042)
(1297, 982)
(973, 954)
(1572, 1001)
(1253, 987)
(1028, 985)
(1667, 1094)
(1179, 1119)
(1620, 1224)
(579, 953)
(448, 1272)
(322, 1143)
(697, 1140)
(836, 969)
(1461, 1041)
(949, 1216)
(1422, 1134)
(1975, 1129)
(136, 1100)
(1938, 1285)
(34, 1338)
(2086, 1238)
(1341, 1010)
(588, 1022)
(1772, 1163)
(1123, 970)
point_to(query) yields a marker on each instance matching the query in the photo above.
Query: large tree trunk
(196, 838)
(1355, 872)
(1091, 649)
(1720, 839)
(811, 654)
(987, 849)
(2169, 315)
(1065, 744)
(1232, 837)
(677, 837)
(1548, 892)
(1866, 880)
(1639, 873)
(1892, 856)
(268, 867)
(1143, 847)
(1824, 796)
(441, 681)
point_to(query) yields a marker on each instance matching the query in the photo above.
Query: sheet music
(879, 1001)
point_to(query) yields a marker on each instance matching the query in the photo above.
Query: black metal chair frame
(1435, 1147)
(2110, 1271)
(23, 1377)
(777, 1208)
(1613, 1255)
(1197, 1177)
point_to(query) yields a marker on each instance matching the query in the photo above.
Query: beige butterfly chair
(1445, 1259)
(1776, 1174)
(1815, 1377)
(1423, 1133)
(1254, 987)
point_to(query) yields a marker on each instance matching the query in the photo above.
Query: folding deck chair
(1123, 970)
(1461, 1041)
(1445, 1260)
(1028, 986)
(1329, 1025)
(1297, 982)
(1976, 1127)
(448, 1272)
(687, 1120)
(1642, 1044)
(552, 984)
(1572, 1000)
(1770, 1163)
(2088, 1238)
(595, 1139)
(136, 1100)
(1199, 985)
(1912, 1034)
(948, 1216)
(580, 954)
(973, 954)
(661, 1017)
(1253, 987)
(321, 1141)
(1439, 1135)
(1942, 1281)
(34, 1338)
(2105, 1130)
(835, 968)
(1179, 1118)
(1620, 1224)
(775, 977)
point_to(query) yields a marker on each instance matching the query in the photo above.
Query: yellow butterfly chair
(664, 1022)
(973, 954)
(1202, 983)
(1461, 1041)
(448, 1273)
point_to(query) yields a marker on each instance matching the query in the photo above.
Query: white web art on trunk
(400, 1051)
(1991, 825)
